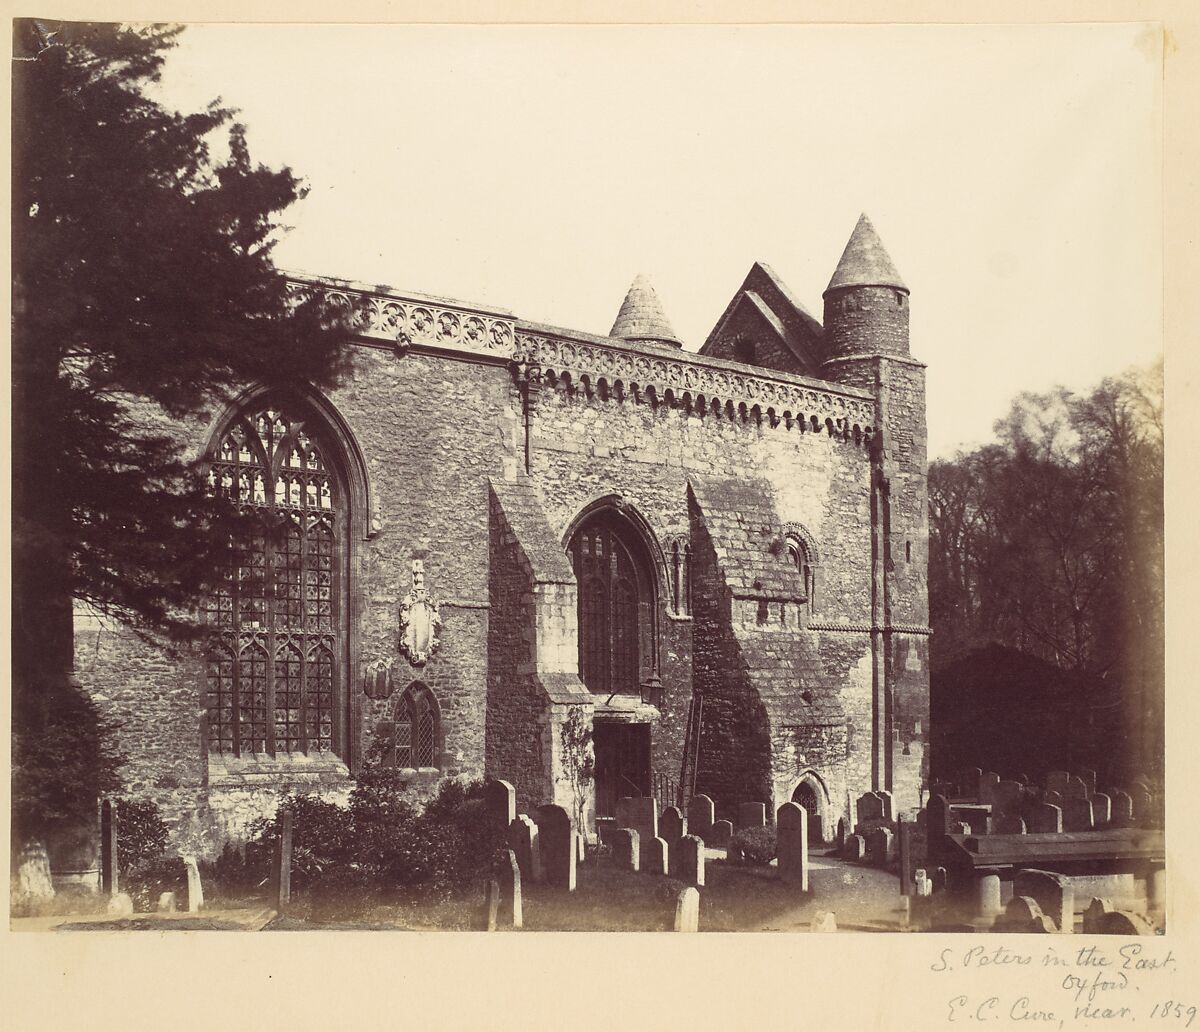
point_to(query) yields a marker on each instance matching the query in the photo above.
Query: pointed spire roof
(865, 263)
(642, 318)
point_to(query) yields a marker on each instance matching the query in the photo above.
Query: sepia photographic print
(615, 478)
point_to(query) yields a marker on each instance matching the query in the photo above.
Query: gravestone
(987, 893)
(120, 904)
(656, 856)
(557, 839)
(640, 815)
(1101, 809)
(605, 825)
(1023, 914)
(1010, 824)
(791, 844)
(1022, 780)
(492, 905)
(722, 832)
(752, 815)
(904, 847)
(1045, 818)
(1122, 810)
(1094, 914)
(580, 847)
(688, 864)
(939, 879)
(1077, 815)
(869, 807)
(839, 839)
(921, 883)
(937, 823)
(701, 812)
(987, 785)
(1056, 781)
(1053, 892)
(508, 875)
(1076, 789)
(1142, 803)
(281, 865)
(672, 826)
(880, 847)
(1088, 777)
(1053, 798)
(856, 848)
(195, 889)
(968, 784)
(687, 910)
(824, 921)
(33, 873)
(1006, 797)
(523, 840)
(626, 848)
(887, 805)
(962, 828)
(166, 903)
(499, 805)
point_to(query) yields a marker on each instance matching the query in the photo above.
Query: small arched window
(274, 668)
(680, 559)
(803, 556)
(414, 735)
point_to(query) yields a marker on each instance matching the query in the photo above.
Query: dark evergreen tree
(143, 289)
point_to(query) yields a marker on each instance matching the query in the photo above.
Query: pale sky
(1012, 172)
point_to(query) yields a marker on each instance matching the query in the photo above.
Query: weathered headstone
(639, 814)
(281, 867)
(499, 804)
(120, 904)
(1021, 779)
(580, 847)
(880, 847)
(968, 783)
(869, 807)
(824, 921)
(939, 880)
(987, 893)
(937, 823)
(752, 815)
(961, 828)
(492, 905)
(701, 813)
(1006, 797)
(856, 848)
(1122, 810)
(109, 880)
(1076, 789)
(887, 805)
(1052, 797)
(687, 910)
(1023, 914)
(721, 833)
(1045, 817)
(166, 903)
(791, 844)
(1009, 824)
(1141, 804)
(508, 875)
(904, 848)
(688, 863)
(1094, 914)
(523, 840)
(1053, 892)
(1088, 777)
(921, 883)
(627, 849)
(987, 785)
(839, 839)
(605, 825)
(1056, 781)
(672, 826)
(656, 856)
(195, 889)
(557, 839)
(33, 873)
(1101, 809)
(1077, 815)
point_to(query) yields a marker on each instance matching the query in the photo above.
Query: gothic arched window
(412, 737)
(803, 557)
(273, 670)
(616, 606)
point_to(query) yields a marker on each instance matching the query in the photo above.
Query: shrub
(141, 834)
(150, 878)
(753, 846)
(322, 836)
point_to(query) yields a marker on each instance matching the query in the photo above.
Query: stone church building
(717, 559)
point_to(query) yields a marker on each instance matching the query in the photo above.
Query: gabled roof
(797, 332)
(865, 262)
(642, 317)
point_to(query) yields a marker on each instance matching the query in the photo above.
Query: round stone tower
(866, 302)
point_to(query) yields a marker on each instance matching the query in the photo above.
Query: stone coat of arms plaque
(419, 620)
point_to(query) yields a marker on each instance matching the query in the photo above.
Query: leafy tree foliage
(144, 288)
(1050, 541)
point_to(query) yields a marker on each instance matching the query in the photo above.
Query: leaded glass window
(272, 671)
(414, 731)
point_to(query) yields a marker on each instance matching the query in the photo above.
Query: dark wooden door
(622, 763)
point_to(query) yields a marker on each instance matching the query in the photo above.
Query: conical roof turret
(865, 262)
(642, 318)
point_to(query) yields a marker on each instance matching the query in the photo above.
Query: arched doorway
(810, 794)
(618, 651)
